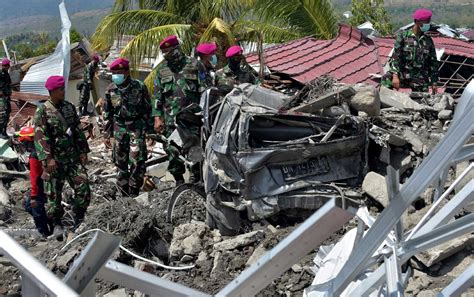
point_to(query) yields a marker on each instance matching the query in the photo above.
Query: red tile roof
(25, 103)
(350, 57)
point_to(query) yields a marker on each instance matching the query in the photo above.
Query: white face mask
(118, 79)
(425, 27)
(213, 60)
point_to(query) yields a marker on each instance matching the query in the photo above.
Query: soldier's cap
(169, 41)
(234, 50)
(5, 62)
(54, 82)
(422, 14)
(207, 48)
(96, 57)
(120, 64)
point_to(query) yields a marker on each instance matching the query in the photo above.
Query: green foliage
(30, 44)
(74, 36)
(371, 11)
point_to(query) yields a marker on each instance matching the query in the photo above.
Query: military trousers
(129, 155)
(76, 175)
(416, 85)
(84, 97)
(5, 110)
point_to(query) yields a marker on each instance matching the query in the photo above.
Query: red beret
(96, 57)
(5, 62)
(120, 63)
(54, 82)
(169, 42)
(207, 48)
(234, 51)
(422, 14)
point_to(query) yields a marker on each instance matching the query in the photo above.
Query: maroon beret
(120, 63)
(169, 41)
(234, 51)
(207, 48)
(422, 14)
(54, 82)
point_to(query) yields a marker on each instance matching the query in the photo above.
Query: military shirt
(89, 72)
(227, 79)
(5, 84)
(414, 59)
(176, 86)
(57, 133)
(129, 107)
(206, 75)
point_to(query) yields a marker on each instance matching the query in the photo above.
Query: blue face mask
(425, 27)
(118, 79)
(213, 60)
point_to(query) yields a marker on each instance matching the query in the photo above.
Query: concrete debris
(239, 241)
(366, 99)
(144, 199)
(384, 137)
(375, 186)
(187, 239)
(446, 250)
(445, 115)
(259, 251)
(117, 293)
(326, 100)
(414, 140)
(402, 101)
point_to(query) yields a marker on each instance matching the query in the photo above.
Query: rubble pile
(401, 131)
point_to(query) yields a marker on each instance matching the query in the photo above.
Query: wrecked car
(260, 160)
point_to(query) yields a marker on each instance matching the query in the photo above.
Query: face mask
(118, 79)
(213, 60)
(173, 55)
(425, 27)
(234, 64)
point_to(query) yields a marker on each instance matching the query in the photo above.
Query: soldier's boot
(79, 215)
(58, 231)
(195, 174)
(134, 192)
(179, 179)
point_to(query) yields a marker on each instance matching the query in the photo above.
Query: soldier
(236, 72)
(62, 148)
(413, 63)
(207, 63)
(127, 114)
(86, 84)
(5, 93)
(177, 85)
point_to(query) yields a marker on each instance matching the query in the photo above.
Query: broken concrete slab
(414, 140)
(259, 251)
(333, 98)
(446, 250)
(400, 161)
(239, 241)
(445, 115)
(374, 185)
(399, 100)
(117, 293)
(218, 265)
(187, 239)
(144, 199)
(367, 99)
(386, 137)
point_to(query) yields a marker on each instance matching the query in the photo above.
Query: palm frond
(271, 33)
(318, 16)
(145, 45)
(131, 22)
(218, 28)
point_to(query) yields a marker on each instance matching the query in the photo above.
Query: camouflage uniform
(127, 112)
(59, 137)
(205, 75)
(414, 60)
(177, 86)
(5, 107)
(226, 78)
(86, 85)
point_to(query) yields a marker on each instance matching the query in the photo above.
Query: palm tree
(223, 21)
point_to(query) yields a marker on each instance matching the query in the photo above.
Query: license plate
(312, 167)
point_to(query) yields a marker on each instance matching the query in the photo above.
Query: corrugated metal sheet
(56, 64)
(350, 57)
